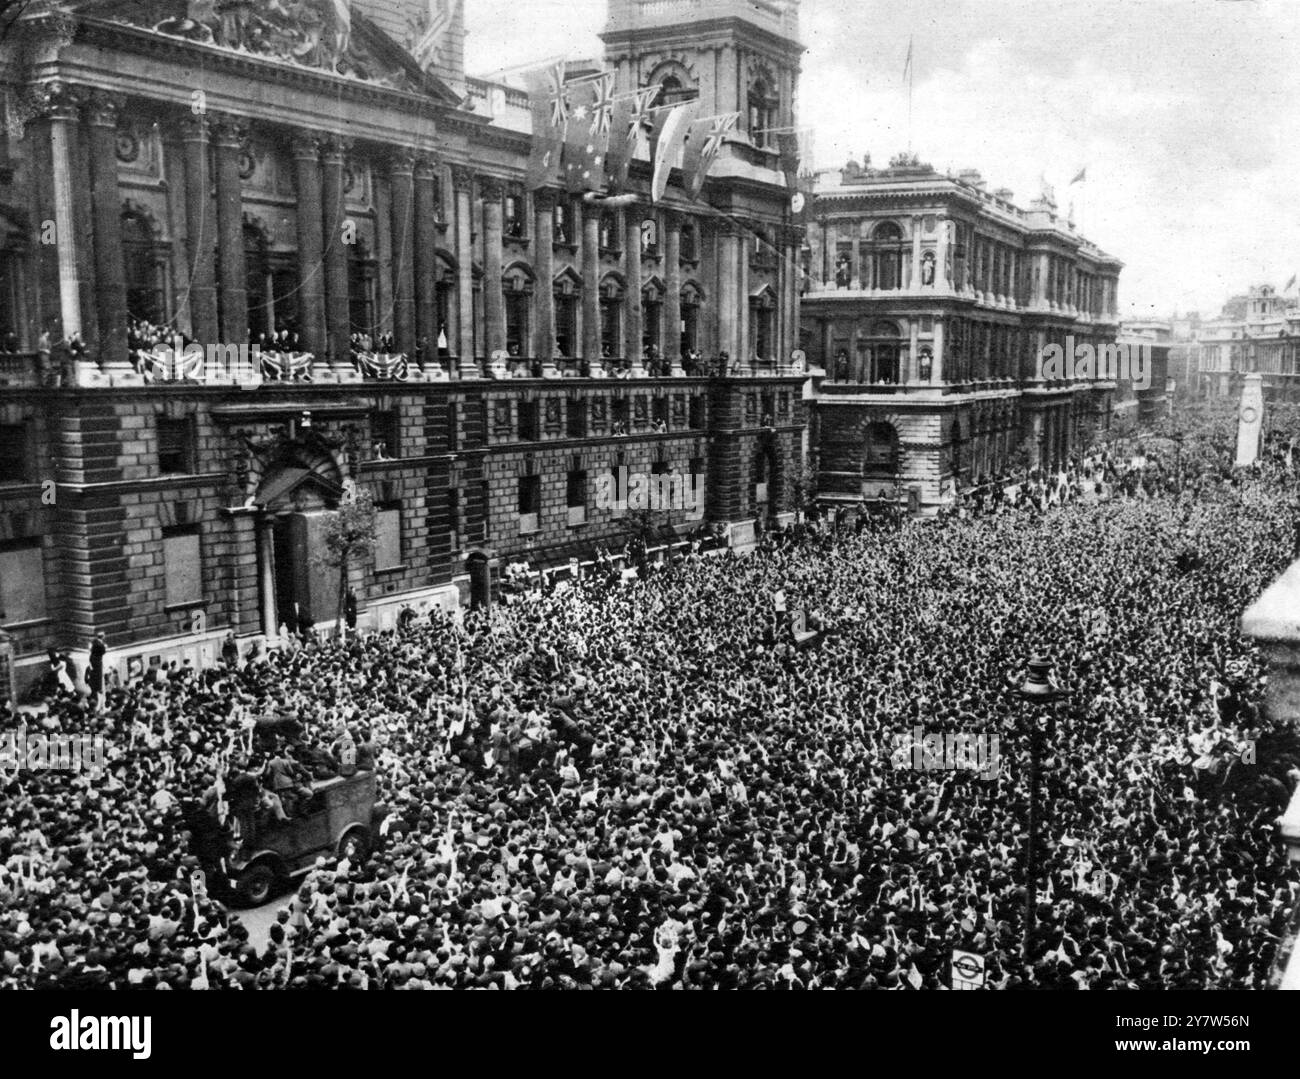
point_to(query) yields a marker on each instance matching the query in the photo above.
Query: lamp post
(1037, 689)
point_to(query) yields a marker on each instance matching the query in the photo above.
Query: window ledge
(188, 605)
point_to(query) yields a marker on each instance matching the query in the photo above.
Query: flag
(907, 64)
(630, 117)
(550, 108)
(680, 120)
(440, 17)
(1287, 286)
(587, 138)
(1082, 175)
(788, 144)
(702, 148)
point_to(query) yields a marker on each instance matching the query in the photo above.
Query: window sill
(189, 605)
(392, 569)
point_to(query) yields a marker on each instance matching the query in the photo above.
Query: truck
(340, 818)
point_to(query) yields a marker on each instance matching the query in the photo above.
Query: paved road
(260, 919)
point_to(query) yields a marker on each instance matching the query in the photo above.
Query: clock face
(796, 203)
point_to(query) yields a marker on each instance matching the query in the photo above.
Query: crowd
(645, 784)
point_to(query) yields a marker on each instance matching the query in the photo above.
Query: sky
(1185, 114)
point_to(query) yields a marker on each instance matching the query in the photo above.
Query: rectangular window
(388, 537)
(22, 582)
(575, 419)
(182, 566)
(528, 428)
(454, 524)
(530, 503)
(697, 412)
(514, 215)
(688, 251)
(175, 442)
(566, 325)
(611, 337)
(564, 231)
(575, 496)
(517, 323)
(386, 433)
(15, 458)
(453, 425)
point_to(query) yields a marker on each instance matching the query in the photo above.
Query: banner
(631, 117)
(703, 144)
(550, 108)
(667, 150)
(587, 137)
(788, 144)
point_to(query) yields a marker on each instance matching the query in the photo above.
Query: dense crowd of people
(646, 784)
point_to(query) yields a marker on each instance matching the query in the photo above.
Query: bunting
(669, 144)
(703, 144)
(587, 137)
(548, 100)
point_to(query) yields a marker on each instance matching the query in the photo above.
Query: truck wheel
(355, 845)
(255, 885)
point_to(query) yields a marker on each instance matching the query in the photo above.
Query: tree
(349, 538)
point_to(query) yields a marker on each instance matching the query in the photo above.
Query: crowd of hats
(648, 786)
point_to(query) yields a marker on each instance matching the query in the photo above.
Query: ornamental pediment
(325, 35)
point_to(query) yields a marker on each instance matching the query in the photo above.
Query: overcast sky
(1186, 114)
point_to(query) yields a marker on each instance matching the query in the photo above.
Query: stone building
(246, 178)
(929, 299)
(1257, 332)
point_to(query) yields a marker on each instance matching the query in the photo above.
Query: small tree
(349, 538)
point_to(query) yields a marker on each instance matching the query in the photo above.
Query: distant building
(1258, 332)
(929, 299)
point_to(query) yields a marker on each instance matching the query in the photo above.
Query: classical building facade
(245, 179)
(929, 299)
(1257, 332)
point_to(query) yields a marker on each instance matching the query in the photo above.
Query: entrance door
(480, 582)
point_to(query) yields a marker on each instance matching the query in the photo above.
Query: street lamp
(1037, 689)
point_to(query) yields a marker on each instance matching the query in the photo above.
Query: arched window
(145, 269)
(762, 319)
(886, 256)
(609, 233)
(611, 323)
(363, 270)
(566, 292)
(674, 89)
(649, 238)
(517, 291)
(445, 300)
(652, 305)
(762, 113)
(879, 352)
(691, 300)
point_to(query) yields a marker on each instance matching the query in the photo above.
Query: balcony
(20, 370)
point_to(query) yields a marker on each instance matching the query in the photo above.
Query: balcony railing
(20, 370)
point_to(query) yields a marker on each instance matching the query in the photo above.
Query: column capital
(492, 188)
(462, 177)
(57, 99)
(402, 159)
(103, 108)
(229, 132)
(545, 199)
(194, 128)
(334, 148)
(305, 146)
(426, 166)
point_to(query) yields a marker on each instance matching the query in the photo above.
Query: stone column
(230, 134)
(909, 372)
(426, 261)
(110, 270)
(936, 365)
(493, 302)
(858, 280)
(462, 180)
(402, 167)
(817, 239)
(62, 102)
(311, 268)
(544, 269)
(632, 295)
(728, 260)
(590, 284)
(266, 575)
(914, 276)
(672, 338)
(199, 231)
(941, 280)
(744, 353)
(337, 320)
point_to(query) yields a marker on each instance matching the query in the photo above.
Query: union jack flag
(602, 105)
(559, 97)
